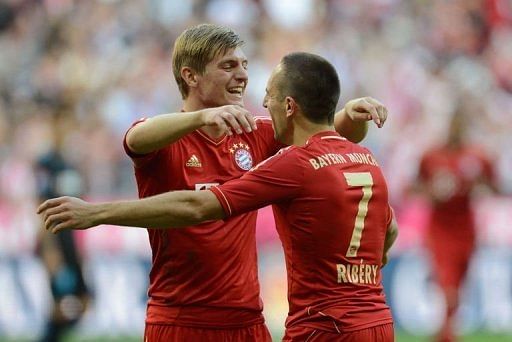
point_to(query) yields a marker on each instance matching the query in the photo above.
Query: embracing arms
(161, 130)
(352, 121)
(171, 209)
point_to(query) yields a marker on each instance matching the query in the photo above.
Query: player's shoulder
(352, 147)
(264, 122)
(477, 151)
(282, 157)
(433, 152)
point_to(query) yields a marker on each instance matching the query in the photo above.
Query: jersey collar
(211, 140)
(206, 137)
(325, 135)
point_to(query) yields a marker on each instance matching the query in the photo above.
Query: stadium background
(104, 64)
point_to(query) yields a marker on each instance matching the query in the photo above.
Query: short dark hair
(314, 84)
(198, 46)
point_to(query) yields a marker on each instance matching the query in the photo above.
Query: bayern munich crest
(243, 157)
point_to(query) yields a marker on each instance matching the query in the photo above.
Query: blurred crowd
(78, 73)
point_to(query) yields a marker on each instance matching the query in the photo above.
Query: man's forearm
(355, 131)
(391, 235)
(159, 131)
(172, 209)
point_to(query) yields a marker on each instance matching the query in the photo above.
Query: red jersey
(331, 209)
(204, 276)
(450, 175)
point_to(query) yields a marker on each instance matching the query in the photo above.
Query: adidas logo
(193, 162)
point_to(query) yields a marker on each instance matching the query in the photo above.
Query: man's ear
(291, 106)
(189, 75)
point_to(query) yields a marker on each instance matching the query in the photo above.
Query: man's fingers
(248, 122)
(223, 126)
(383, 114)
(231, 117)
(51, 212)
(232, 122)
(369, 110)
(50, 204)
(55, 219)
(381, 110)
(375, 116)
(243, 118)
(251, 120)
(61, 226)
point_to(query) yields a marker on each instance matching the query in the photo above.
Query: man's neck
(305, 130)
(189, 105)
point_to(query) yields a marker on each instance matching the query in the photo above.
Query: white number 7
(365, 180)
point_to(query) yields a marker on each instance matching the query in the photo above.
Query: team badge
(243, 157)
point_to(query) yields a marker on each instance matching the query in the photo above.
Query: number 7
(365, 180)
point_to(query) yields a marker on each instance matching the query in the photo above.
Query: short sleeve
(138, 159)
(274, 180)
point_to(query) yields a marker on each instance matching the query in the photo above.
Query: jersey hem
(352, 328)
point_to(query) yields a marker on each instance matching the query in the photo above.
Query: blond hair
(198, 46)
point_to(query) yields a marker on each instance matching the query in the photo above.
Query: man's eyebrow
(233, 60)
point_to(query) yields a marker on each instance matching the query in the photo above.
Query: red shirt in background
(450, 175)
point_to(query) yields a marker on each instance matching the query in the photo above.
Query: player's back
(333, 235)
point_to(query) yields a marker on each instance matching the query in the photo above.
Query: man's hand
(391, 235)
(229, 117)
(67, 213)
(366, 109)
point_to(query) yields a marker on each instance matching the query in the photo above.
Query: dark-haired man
(330, 204)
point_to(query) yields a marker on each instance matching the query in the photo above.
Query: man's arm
(168, 210)
(391, 235)
(352, 121)
(159, 131)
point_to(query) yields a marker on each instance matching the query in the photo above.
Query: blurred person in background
(56, 176)
(449, 176)
(330, 203)
(203, 279)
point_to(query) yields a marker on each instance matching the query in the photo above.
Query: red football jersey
(332, 213)
(206, 275)
(450, 175)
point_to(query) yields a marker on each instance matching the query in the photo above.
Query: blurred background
(76, 74)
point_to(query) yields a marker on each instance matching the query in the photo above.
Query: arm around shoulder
(164, 211)
(355, 131)
(169, 210)
(161, 130)
(352, 121)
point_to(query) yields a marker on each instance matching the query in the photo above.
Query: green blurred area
(477, 337)
(401, 336)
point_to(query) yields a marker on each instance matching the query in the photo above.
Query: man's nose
(241, 73)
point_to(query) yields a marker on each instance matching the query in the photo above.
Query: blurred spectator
(56, 177)
(448, 176)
